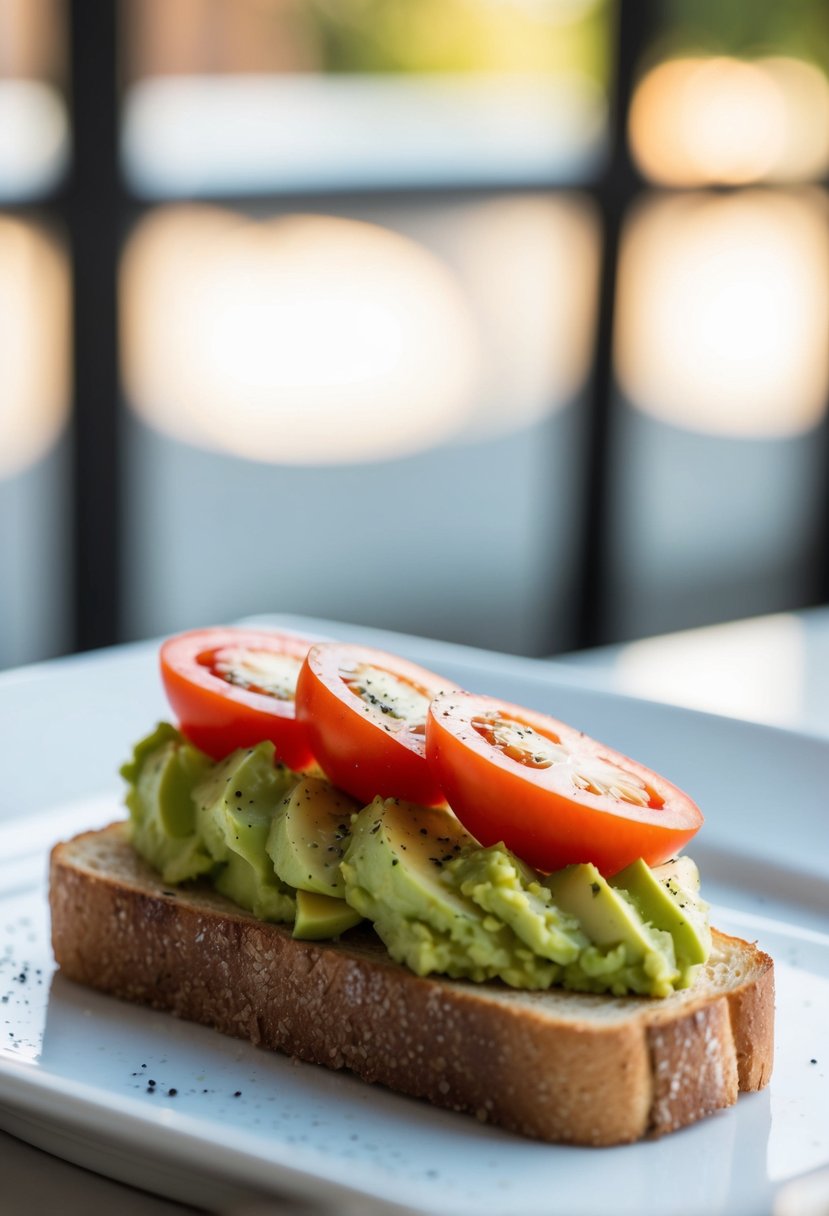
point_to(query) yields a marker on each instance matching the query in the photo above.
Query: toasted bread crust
(554, 1066)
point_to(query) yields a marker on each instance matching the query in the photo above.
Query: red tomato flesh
(234, 688)
(550, 793)
(365, 714)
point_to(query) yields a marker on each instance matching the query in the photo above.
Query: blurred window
(361, 347)
(409, 377)
(358, 247)
(317, 95)
(35, 334)
(331, 339)
(34, 128)
(714, 120)
(723, 312)
(34, 344)
(34, 411)
(721, 342)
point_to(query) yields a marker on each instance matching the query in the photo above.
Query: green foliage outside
(745, 28)
(434, 36)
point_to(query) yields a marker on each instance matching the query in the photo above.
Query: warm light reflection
(805, 90)
(752, 669)
(305, 339)
(34, 138)
(531, 266)
(34, 344)
(723, 312)
(695, 121)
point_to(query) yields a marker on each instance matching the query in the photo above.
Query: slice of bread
(554, 1065)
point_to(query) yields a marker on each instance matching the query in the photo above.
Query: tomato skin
(218, 716)
(360, 754)
(538, 812)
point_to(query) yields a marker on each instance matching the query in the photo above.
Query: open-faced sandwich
(291, 872)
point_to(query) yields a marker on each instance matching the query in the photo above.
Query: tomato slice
(233, 688)
(365, 713)
(550, 793)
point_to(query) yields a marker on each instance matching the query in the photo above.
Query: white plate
(75, 1066)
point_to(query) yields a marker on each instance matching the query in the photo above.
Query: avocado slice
(668, 905)
(395, 871)
(626, 953)
(308, 837)
(322, 916)
(236, 805)
(243, 883)
(606, 917)
(162, 775)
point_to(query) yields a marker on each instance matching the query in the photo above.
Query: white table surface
(772, 669)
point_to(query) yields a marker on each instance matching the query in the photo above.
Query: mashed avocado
(161, 776)
(396, 874)
(289, 847)
(507, 888)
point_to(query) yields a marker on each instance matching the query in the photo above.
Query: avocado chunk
(395, 874)
(162, 775)
(243, 884)
(322, 916)
(626, 954)
(503, 885)
(308, 837)
(668, 905)
(236, 805)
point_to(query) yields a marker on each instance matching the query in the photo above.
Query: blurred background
(498, 321)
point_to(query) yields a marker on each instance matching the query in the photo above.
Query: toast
(557, 1066)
